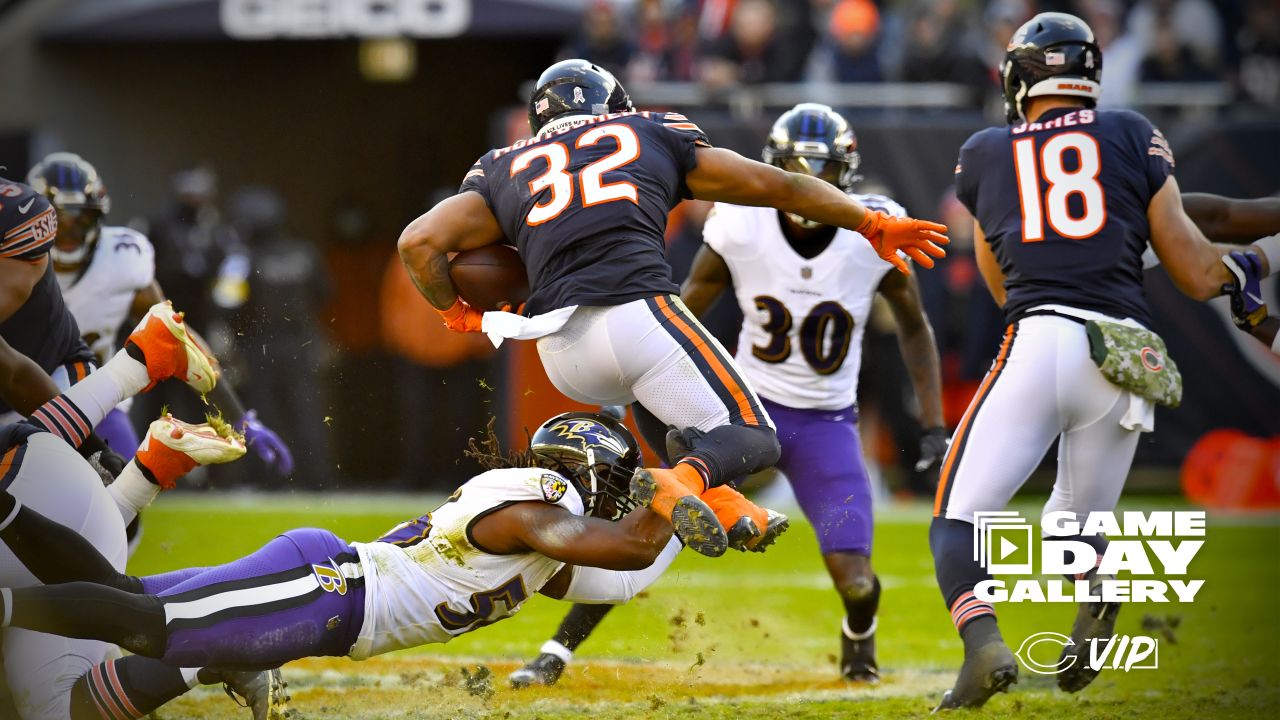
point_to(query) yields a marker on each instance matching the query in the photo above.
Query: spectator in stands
(276, 327)
(854, 35)
(666, 40)
(1259, 44)
(1122, 50)
(1169, 60)
(756, 49)
(939, 49)
(601, 40)
(1194, 24)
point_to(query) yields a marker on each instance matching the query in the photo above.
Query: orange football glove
(917, 238)
(461, 317)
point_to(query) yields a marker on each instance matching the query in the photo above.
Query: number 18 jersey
(803, 319)
(1063, 202)
(586, 203)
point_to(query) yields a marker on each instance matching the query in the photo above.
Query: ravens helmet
(597, 453)
(1052, 54)
(575, 87)
(80, 198)
(815, 140)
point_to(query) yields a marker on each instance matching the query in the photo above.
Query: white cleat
(169, 350)
(173, 447)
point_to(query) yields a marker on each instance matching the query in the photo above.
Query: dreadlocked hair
(488, 452)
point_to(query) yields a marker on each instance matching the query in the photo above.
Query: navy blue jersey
(586, 203)
(42, 329)
(1063, 203)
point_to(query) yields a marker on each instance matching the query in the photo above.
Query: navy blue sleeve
(684, 138)
(476, 181)
(28, 222)
(967, 175)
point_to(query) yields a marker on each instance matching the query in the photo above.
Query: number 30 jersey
(586, 203)
(1063, 202)
(101, 296)
(803, 320)
(428, 580)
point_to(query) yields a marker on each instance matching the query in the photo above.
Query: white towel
(500, 326)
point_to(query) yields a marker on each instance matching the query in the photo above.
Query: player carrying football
(586, 201)
(805, 290)
(1065, 200)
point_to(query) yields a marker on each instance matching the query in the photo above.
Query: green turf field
(748, 636)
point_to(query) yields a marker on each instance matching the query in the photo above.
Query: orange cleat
(751, 527)
(673, 494)
(173, 447)
(168, 350)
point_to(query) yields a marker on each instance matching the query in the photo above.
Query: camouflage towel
(1135, 359)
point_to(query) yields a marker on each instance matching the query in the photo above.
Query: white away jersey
(427, 582)
(123, 263)
(801, 340)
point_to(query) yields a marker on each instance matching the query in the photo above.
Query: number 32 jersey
(1063, 202)
(586, 203)
(803, 319)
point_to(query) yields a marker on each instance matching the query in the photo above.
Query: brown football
(490, 276)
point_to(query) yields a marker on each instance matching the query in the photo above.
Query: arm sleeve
(966, 185)
(1159, 157)
(597, 586)
(145, 269)
(683, 138)
(32, 232)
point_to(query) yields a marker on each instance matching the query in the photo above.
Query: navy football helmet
(1051, 54)
(575, 87)
(596, 453)
(815, 140)
(78, 195)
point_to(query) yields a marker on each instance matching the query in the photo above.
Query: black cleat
(988, 670)
(1093, 620)
(858, 659)
(745, 536)
(263, 692)
(545, 669)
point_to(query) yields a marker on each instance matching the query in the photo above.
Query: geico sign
(261, 19)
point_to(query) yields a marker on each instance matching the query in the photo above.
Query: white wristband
(1270, 249)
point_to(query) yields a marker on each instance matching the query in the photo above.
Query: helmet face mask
(575, 87)
(815, 140)
(594, 452)
(80, 198)
(1051, 54)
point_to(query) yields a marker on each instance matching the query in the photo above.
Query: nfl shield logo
(806, 272)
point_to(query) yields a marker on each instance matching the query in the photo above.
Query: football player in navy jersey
(586, 201)
(1066, 199)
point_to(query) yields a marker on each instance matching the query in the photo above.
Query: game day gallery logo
(1150, 550)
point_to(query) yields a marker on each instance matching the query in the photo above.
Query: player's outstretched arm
(725, 176)
(1231, 220)
(1192, 262)
(918, 345)
(463, 222)
(632, 543)
(24, 385)
(708, 278)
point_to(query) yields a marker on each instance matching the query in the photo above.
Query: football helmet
(80, 198)
(596, 453)
(1051, 54)
(815, 140)
(575, 87)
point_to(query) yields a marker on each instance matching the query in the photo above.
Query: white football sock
(132, 491)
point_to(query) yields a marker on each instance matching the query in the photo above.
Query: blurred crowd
(723, 43)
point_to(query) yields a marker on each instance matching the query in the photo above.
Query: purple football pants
(822, 458)
(300, 595)
(117, 431)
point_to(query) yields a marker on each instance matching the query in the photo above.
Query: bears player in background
(805, 291)
(107, 277)
(555, 519)
(1065, 200)
(586, 202)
